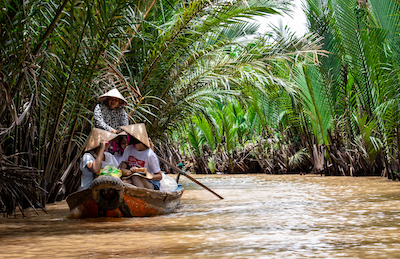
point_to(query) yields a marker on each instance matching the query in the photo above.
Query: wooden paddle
(188, 176)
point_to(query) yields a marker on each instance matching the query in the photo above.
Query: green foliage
(211, 164)
(187, 65)
(361, 73)
(51, 56)
(351, 86)
(315, 102)
(367, 143)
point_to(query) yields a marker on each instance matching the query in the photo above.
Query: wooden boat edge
(141, 201)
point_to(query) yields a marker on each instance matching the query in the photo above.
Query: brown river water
(262, 216)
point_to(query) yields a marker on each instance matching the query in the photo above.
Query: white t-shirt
(118, 157)
(146, 158)
(87, 176)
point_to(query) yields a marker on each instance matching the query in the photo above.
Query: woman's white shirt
(118, 157)
(87, 176)
(146, 158)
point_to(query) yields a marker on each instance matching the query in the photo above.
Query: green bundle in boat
(111, 171)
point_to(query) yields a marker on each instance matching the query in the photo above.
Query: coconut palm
(385, 14)
(199, 56)
(51, 54)
(360, 35)
(168, 58)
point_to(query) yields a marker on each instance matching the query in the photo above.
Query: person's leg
(136, 180)
(147, 184)
(141, 182)
(155, 184)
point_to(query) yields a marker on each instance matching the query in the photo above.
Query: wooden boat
(109, 197)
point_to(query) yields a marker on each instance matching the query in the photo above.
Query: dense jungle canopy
(214, 91)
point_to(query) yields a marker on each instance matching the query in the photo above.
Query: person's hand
(114, 131)
(101, 149)
(102, 146)
(133, 169)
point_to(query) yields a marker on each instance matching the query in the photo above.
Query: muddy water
(262, 216)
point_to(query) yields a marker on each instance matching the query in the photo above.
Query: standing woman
(109, 114)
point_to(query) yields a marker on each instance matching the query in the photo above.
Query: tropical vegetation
(213, 90)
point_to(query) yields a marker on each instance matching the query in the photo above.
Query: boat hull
(141, 202)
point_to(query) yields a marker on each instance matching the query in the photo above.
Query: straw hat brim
(139, 132)
(97, 137)
(144, 174)
(113, 93)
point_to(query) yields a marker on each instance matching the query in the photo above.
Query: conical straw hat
(98, 136)
(137, 131)
(122, 134)
(113, 93)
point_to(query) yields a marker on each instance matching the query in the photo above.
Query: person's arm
(124, 169)
(154, 166)
(99, 120)
(124, 166)
(95, 166)
(86, 159)
(157, 176)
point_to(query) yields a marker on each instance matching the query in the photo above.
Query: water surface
(262, 216)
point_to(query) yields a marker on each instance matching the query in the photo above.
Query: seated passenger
(96, 156)
(121, 143)
(138, 156)
(109, 114)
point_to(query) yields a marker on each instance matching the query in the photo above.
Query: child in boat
(109, 114)
(139, 157)
(96, 156)
(121, 144)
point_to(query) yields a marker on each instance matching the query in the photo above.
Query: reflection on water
(262, 216)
